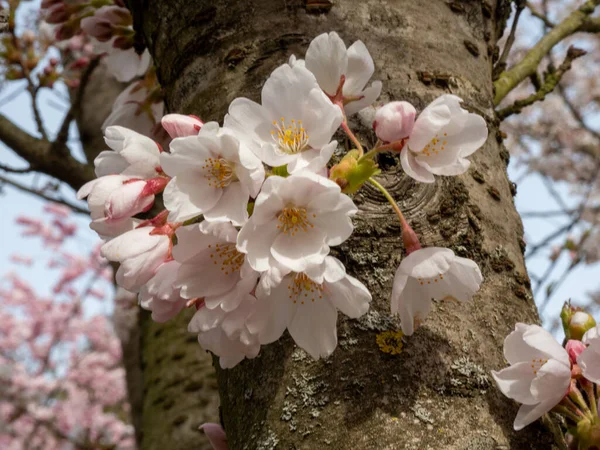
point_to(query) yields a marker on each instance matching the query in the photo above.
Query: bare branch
(36, 152)
(572, 23)
(33, 91)
(501, 64)
(539, 15)
(551, 80)
(41, 194)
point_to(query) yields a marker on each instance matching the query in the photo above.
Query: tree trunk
(437, 393)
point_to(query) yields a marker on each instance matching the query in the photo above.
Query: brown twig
(501, 64)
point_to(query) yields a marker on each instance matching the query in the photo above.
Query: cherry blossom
(128, 111)
(394, 121)
(216, 435)
(211, 265)
(431, 273)
(306, 304)
(213, 174)
(131, 154)
(589, 359)
(328, 59)
(443, 135)
(293, 125)
(294, 222)
(539, 374)
(159, 296)
(225, 333)
(140, 251)
(180, 125)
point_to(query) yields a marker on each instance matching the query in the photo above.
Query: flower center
(303, 289)
(219, 172)
(435, 146)
(227, 256)
(290, 138)
(536, 364)
(293, 219)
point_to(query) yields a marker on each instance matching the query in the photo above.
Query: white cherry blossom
(225, 333)
(211, 265)
(394, 121)
(443, 135)
(295, 221)
(539, 372)
(213, 174)
(140, 252)
(159, 296)
(589, 360)
(126, 111)
(293, 125)
(306, 304)
(131, 154)
(431, 273)
(328, 59)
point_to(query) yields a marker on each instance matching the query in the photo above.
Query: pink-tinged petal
(313, 327)
(516, 350)
(180, 125)
(369, 96)
(543, 341)
(206, 319)
(394, 121)
(257, 245)
(110, 229)
(131, 244)
(274, 312)
(551, 381)
(530, 413)
(327, 59)
(125, 65)
(413, 169)
(515, 382)
(574, 349)
(109, 163)
(589, 361)
(427, 262)
(216, 435)
(232, 206)
(591, 335)
(200, 277)
(190, 242)
(127, 201)
(297, 252)
(349, 296)
(427, 125)
(186, 196)
(320, 118)
(409, 302)
(360, 68)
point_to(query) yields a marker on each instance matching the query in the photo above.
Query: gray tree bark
(437, 393)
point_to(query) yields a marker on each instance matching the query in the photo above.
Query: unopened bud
(574, 348)
(64, 32)
(57, 14)
(179, 125)
(575, 321)
(394, 121)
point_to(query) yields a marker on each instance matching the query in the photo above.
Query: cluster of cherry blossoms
(544, 376)
(253, 207)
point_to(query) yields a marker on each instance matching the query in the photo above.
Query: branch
(535, 13)
(510, 79)
(37, 153)
(59, 144)
(551, 80)
(501, 64)
(33, 91)
(41, 194)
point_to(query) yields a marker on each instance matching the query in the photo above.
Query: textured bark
(437, 394)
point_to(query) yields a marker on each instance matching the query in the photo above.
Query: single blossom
(141, 252)
(213, 174)
(106, 21)
(589, 359)
(179, 125)
(431, 273)
(159, 296)
(394, 121)
(443, 135)
(539, 372)
(211, 265)
(98, 192)
(225, 333)
(295, 221)
(130, 110)
(328, 59)
(131, 154)
(293, 125)
(306, 304)
(216, 435)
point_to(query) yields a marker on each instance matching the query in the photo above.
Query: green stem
(589, 392)
(395, 146)
(567, 413)
(390, 199)
(575, 396)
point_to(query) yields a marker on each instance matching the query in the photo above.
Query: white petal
(327, 59)
(413, 169)
(109, 163)
(427, 262)
(350, 296)
(543, 341)
(360, 68)
(530, 413)
(273, 312)
(256, 241)
(188, 195)
(369, 96)
(515, 382)
(232, 206)
(589, 361)
(297, 252)
(131, 244)
(313, 328)
(409, 302)
(551, 381)
(427, 125)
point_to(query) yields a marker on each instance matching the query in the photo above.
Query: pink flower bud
(574, 349)
(216, 435)
(57, 14)
(179, 125)
(394, 121)
(128, 200)
(410, 239)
